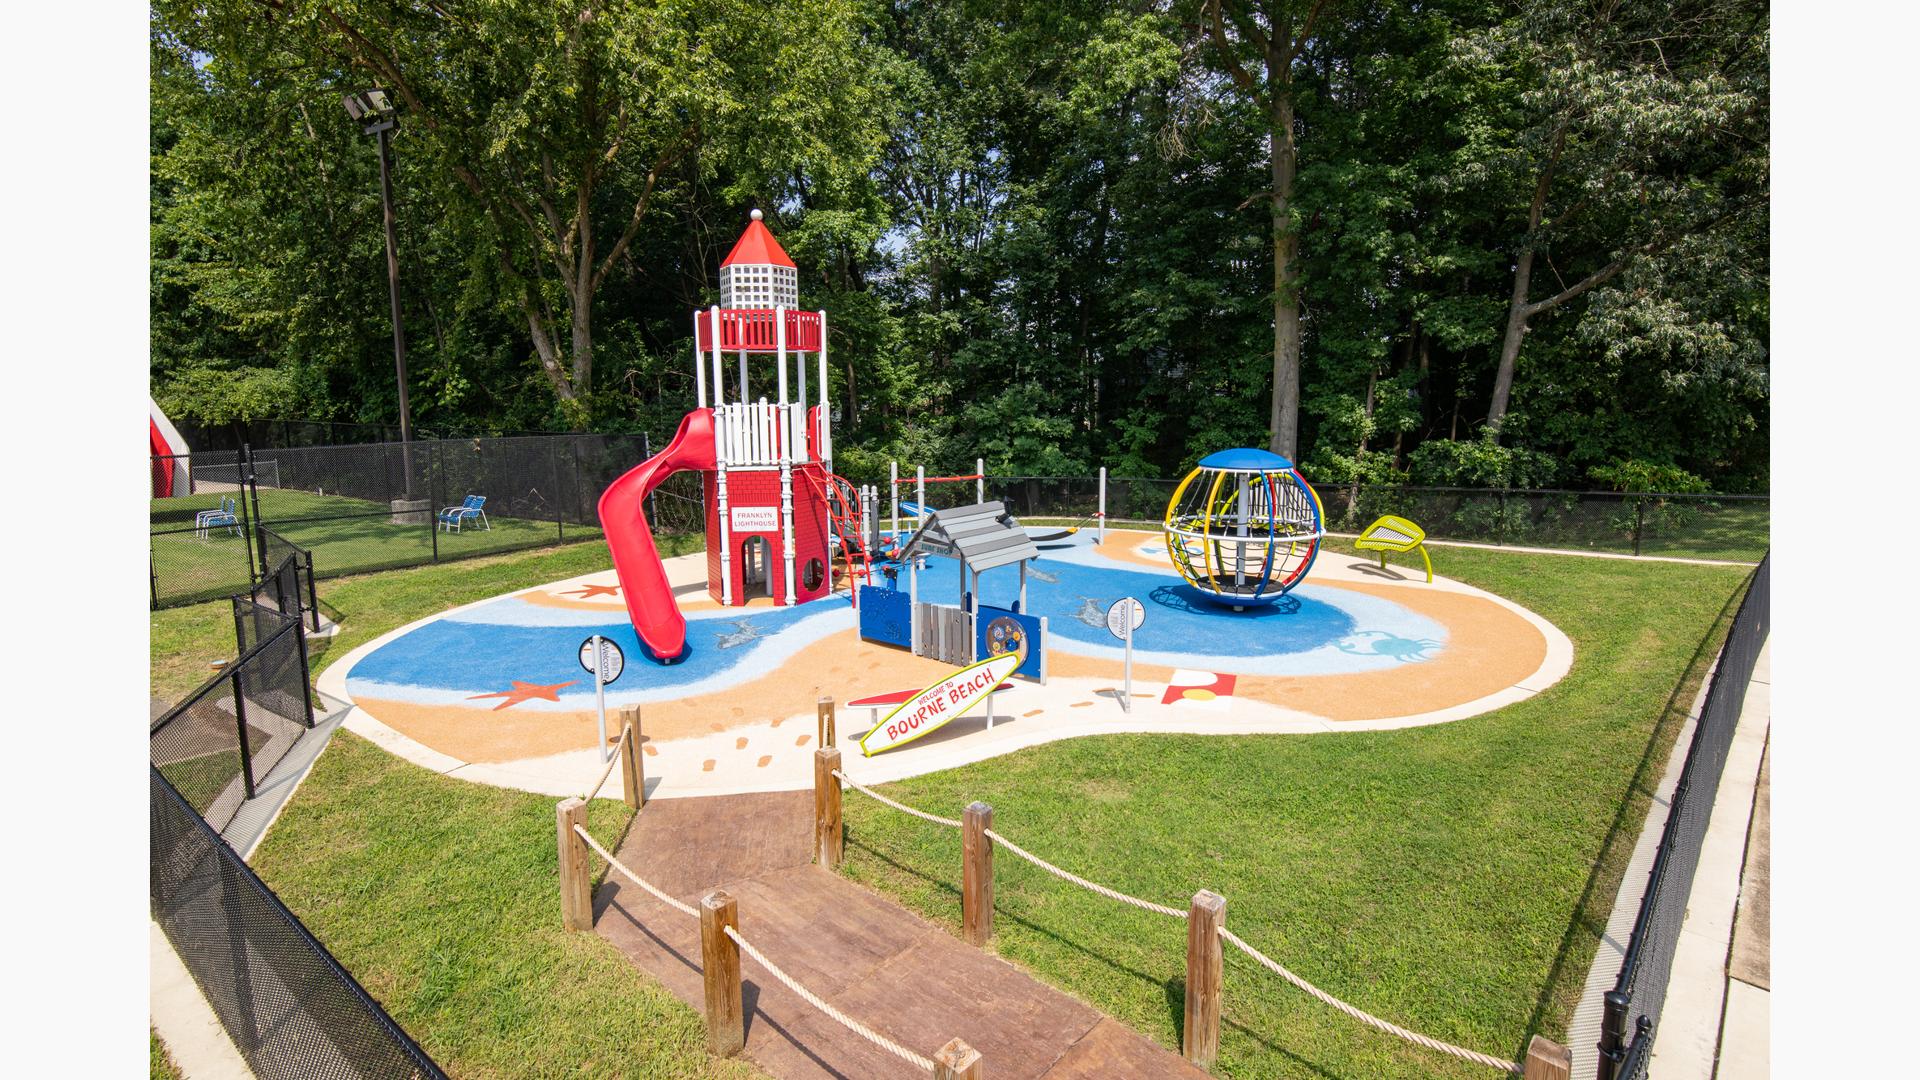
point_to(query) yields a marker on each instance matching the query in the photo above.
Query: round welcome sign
(612, 660)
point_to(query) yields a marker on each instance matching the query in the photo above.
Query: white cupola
(757, 272)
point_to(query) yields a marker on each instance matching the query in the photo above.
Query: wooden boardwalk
(874, 960)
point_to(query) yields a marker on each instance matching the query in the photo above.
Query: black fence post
(1613, 1023)
(313, 594)
(433, 500)
(153, 582)
(247, 514)
(1639, 521)
(253, 495)
(306, 673)
(559, 501)
(573, 478)
(240, 718)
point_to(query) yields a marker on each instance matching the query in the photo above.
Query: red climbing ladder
(843, 507)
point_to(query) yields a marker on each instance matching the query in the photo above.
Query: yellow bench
(1392, 533)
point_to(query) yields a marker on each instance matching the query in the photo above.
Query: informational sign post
(604, 660)
(1123, 618)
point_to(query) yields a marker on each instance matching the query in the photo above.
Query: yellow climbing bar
(1392, 533)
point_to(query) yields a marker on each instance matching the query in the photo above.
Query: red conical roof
(757, 246)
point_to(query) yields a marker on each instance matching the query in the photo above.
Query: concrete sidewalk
(1690, 1043)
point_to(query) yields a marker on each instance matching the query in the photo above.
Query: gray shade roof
(984, 535)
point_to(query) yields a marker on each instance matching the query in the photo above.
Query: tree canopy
(1489, 240)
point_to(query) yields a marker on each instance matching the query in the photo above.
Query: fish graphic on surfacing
(1091, 613)
(1038, 574)
(745, 630)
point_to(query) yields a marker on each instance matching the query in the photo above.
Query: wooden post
(633, 771)
(828, 839)
(720, 960)
(976, 874)
(957, 1061)
(1547, 1060)
(823, 723)
(1200, 1043)
(576, 875)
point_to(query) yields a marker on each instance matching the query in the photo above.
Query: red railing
(752, 330)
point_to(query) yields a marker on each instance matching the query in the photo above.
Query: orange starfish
(525, 691)
(586, 591)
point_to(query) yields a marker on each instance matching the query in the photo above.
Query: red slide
(643, 579)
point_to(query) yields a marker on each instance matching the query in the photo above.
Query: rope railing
(1364, 1016)
(684, 909)
(1259, 957)
(813, 999)
(1094, 886)
(902, 807)
(612, 763)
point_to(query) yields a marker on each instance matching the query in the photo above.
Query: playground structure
(772, 499)
(980, 537)
(918, 509)
(1244, 527)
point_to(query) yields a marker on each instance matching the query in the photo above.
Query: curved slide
(643, 579)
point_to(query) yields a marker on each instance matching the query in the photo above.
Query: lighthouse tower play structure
(771, 496)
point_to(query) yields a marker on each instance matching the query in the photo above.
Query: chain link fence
(1631, 1017)
(218, 742)
(381, 506)
(1732, 527)
(293, 1012)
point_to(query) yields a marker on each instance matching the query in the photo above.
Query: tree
(1269, 37)
(566, 124)
(1642, 124)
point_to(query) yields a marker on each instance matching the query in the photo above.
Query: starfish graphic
(525, 691)
(586, 591)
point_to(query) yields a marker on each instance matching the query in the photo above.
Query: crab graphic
(1381, 643)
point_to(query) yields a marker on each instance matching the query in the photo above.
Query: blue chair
(226, 517)
(470, 509)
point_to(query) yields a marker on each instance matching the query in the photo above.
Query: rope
(814, 1000)
(608, 771)
(1365, 1017)
(684, 909)
(871, 794)
(1111, 894)
(1145, 905)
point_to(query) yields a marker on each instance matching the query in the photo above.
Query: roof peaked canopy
(757, 246)
(983, 535)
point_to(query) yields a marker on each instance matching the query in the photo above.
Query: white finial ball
(756, 215)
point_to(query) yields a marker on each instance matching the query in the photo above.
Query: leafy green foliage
(1043, 233)
(1481, 463)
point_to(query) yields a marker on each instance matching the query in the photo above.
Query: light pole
(372, 109)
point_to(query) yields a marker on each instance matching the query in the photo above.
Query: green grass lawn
(186, 565)
(185, 640)
(200, 780)
(160, 1064)
(1450, 878)
(442, 898)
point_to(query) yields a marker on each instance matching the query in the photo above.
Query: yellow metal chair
(1392, 533)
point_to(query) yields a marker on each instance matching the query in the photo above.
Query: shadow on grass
(1173, 989)
(1590, 913)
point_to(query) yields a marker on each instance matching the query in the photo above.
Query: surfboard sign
(943, 702)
